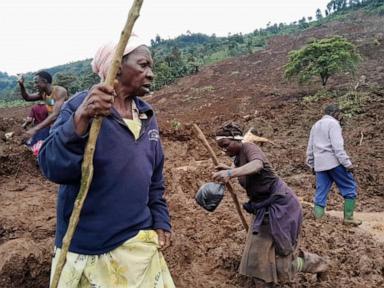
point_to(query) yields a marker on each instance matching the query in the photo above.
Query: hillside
(250, 89)
(257, 79)
(188, 53)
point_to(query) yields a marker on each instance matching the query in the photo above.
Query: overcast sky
(37, 34)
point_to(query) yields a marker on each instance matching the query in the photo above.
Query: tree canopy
(322, 58)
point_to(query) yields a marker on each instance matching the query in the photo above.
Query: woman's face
(230, 147)
(136, 72)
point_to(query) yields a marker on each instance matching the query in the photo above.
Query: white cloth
(103, 57)
(325, 149)
(237, 137)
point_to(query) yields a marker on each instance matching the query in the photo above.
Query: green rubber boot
(318, 211)
(349, 207)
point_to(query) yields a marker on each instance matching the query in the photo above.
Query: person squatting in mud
(124, 223)
(53, 98)
(330, 163)
(271, 255)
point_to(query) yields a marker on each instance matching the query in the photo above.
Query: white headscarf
(237, 137)
(103, 57)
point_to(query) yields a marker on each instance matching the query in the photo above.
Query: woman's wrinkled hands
(222, 176)
(98, 102)
(164, 238)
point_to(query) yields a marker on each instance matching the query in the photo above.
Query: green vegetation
(13, 103)
(350, 102)
(175, 124)
(323, 58)
(7, 85)
(186, 54)
(319, 95)
(335, 6)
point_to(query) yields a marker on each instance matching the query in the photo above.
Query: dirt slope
(207, 246)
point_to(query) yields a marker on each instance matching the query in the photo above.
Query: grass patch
(319, 95)
(13, 103)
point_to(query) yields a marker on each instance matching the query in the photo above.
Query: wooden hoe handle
(229, 186)
(87, 165)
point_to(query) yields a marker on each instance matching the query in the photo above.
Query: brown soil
(207, 247)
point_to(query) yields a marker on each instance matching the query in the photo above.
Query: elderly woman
(271, 250)
(125, 221)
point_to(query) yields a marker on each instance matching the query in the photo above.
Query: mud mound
(17, 113)
(356, 258)
(27, 223)
(207, 247)
(24, 263)
(18, 163)
(15, 158)
(27, 211)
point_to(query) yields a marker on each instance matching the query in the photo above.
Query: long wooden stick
(229, 186)
(87, 165)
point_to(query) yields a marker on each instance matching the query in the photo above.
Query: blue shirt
(126, 193)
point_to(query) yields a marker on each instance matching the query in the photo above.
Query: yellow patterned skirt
(137, 263)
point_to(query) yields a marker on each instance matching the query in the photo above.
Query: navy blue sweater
(126, 194)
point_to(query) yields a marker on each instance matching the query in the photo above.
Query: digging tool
(87, 165)
(229, 186)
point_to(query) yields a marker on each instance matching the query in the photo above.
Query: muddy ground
(207, 247)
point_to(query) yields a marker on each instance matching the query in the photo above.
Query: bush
(351, 103)
(319, 95)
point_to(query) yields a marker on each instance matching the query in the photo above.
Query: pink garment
(38, 112)
(102, 60)
(36, 147)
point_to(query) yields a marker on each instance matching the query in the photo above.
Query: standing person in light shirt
(330, 163)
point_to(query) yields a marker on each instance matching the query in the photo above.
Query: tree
(303, 23)
(353, 3)
(66, 80)
(336, 5)
(87, 80)
(319, 15)
(322, 58)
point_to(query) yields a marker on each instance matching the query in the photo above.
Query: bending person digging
(124, 223)
(271, 254)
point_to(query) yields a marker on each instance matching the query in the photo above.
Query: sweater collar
(143, 107)
(330, 117)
